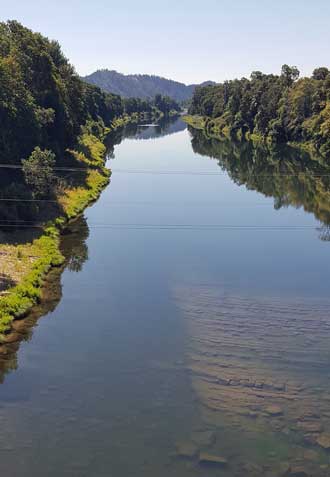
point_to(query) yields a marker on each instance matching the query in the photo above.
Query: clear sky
(186, 40)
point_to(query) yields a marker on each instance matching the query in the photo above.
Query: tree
(38, 172)
(43, 102)
(290, 74)
(321, 73)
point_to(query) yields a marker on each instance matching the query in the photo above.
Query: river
(192, 317)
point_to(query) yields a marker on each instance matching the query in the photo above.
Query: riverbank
(24, 266)
(214, 128)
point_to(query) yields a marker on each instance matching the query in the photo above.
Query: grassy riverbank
(212, 127)
(25, 266)
(197, 122)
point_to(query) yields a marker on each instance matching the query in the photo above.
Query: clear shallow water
(191, 316)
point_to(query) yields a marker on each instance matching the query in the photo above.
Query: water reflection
(291, 177)
(162, 359)
(164, 127)
(75, 251)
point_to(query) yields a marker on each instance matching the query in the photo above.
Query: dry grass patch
(16, 261)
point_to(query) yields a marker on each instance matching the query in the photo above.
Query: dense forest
(44, 103)
(141, 86)
(156, 107)
(42, 100)
(282, 108)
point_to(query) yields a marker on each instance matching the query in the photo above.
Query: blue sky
(187, 40)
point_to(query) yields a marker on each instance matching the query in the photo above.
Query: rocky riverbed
(259, 370)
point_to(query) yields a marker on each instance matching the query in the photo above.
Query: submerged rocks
(310, 426)
(310, 455)
(198, 440)
(323, 440)
(296, 471)
(186, 449)
(203, 438)
(253, 469)
(273, 410)
(212, 459)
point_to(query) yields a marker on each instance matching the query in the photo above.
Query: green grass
(30, 272)
(197, 122)
(23, 296)
(75, 200)
(91, 150)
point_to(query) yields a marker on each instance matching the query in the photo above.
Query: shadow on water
(75, 250)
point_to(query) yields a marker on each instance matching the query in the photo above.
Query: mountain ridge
(141, 85)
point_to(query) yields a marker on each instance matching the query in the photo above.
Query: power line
(147, 203)
(17, 166)
(177, 226)
(208, 173)
(172, 172)
(9, 199)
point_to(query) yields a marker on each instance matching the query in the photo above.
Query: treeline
(160, 105)
(42, 100)
(44, 103)
(281, 108)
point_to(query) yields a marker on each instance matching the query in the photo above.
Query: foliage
(39, 173)
(20, 298)
(43, 102)
(75, 200)
(197, 122)
(166, 105)
(159, 106)
(280, 108)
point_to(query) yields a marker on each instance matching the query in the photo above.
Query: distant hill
(141, 86)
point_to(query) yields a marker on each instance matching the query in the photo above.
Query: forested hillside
(140, 86)
(281, 108)
(43, 102)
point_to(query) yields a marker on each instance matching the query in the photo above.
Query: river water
(188, 334)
